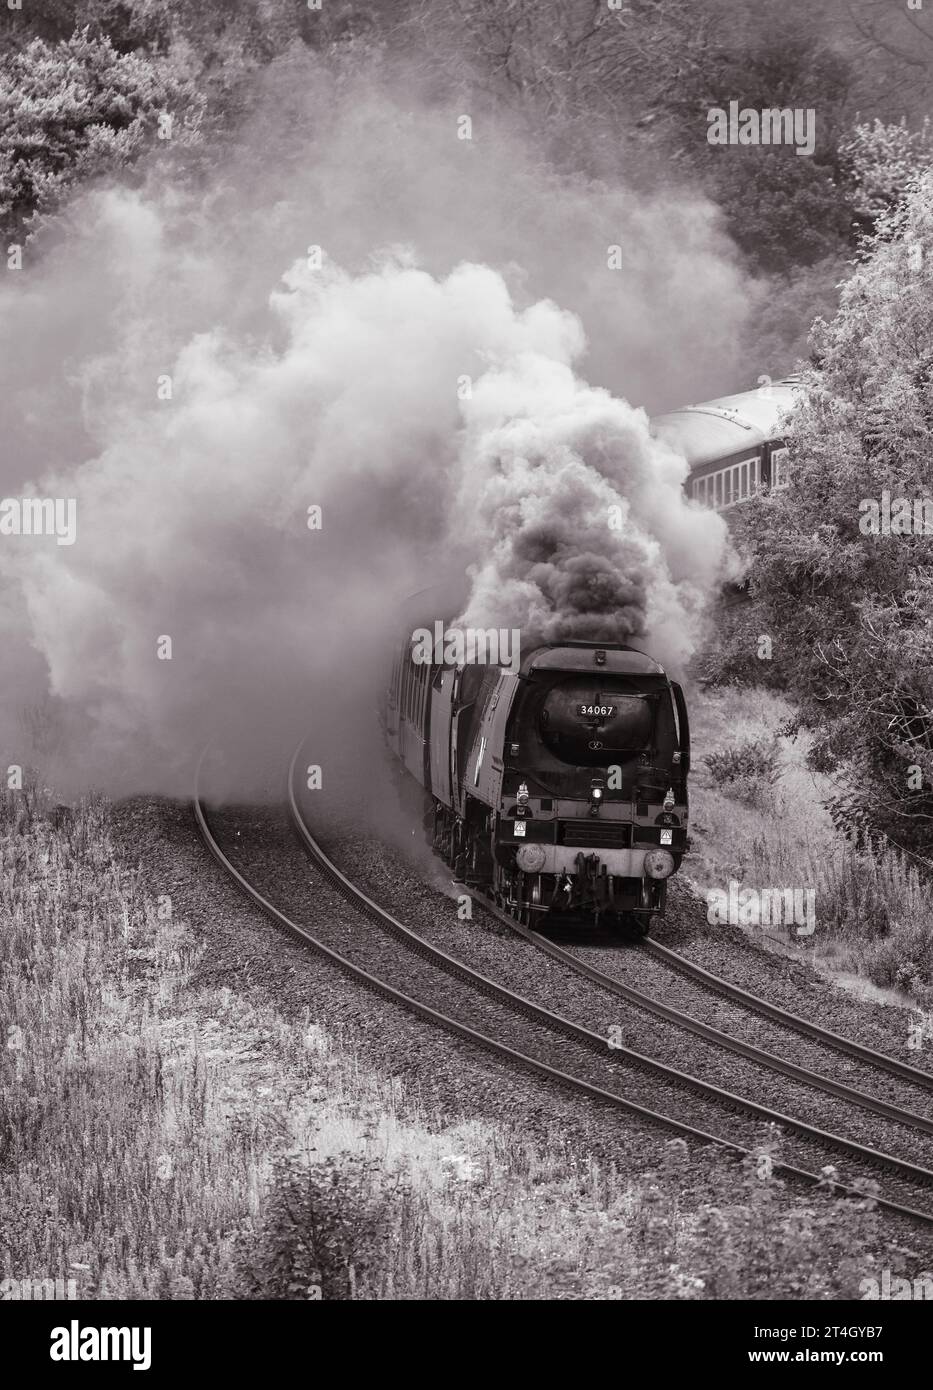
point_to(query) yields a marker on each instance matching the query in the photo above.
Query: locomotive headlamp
(597, 792)
(659, 863)
(600, 656)
(530, 858)
(669, 800)
(521, 796)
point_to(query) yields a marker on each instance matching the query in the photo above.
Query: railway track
(374, 912)
(892, 1065)
(771, 1061)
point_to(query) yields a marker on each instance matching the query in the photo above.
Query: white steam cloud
(337, 387)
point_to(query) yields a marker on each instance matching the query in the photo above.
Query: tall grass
(160, 1140)
(768, 826)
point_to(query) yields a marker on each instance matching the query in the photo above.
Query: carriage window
(728, 485)
(406, 682)
(423, 694)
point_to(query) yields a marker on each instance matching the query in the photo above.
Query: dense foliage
(850, 611)
(74, 109)
(617, 93)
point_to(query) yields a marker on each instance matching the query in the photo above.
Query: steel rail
(612, 985)
(879, 1060)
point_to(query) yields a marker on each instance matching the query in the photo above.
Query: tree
(884, 160)
(850, 612)
(75, 109)
(783, 209)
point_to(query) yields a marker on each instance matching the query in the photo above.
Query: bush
(875, 902)
(730, 653)
(748, 770)
(345, 1230)
(325, 1226)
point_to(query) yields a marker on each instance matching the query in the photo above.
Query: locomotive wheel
(473, 862)
(525, 911)
(455, 856)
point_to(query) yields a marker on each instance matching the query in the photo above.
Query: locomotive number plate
(598, 711)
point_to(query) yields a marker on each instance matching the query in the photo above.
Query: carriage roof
(719, 428)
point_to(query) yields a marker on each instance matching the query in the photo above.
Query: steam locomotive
(558, 788)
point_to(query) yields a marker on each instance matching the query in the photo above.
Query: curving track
(917, 1176)
(800, 1025)
(704, 1030)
